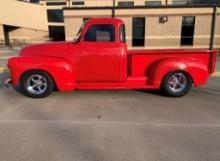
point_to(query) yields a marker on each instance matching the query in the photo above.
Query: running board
(131, 83)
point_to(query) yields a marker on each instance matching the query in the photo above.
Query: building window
(152, 3)
(56, 3)
(187, 33)
(180, 2)
(125, 4)
(199, 2)
(100, 33)
(56, 33)
(138, 31)
(78, 3)
(55, 15)
(34, 1)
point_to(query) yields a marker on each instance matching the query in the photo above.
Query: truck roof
(105, 20)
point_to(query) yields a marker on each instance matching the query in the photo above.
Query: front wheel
(176, 84)
(37, 84)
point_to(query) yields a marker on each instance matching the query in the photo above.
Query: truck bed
(141, 60)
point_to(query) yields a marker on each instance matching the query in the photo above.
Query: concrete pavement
(111, 125)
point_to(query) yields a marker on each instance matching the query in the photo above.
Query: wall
(1, 35)
(98, 3)
(140, 2)
(168, 35)
(217, 30)
(162, 35)
(128, 27)
(73, 20)
(1, 30)
(23, 14)
(136, 2)
(57, 7)
(28, 19)
(202, 31)
(72, 26)
(101, 3)
(28, 36)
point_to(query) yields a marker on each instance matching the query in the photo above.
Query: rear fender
(60, 70)
(194, 68)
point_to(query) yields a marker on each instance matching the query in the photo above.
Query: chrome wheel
(36, 84)
(177, 82)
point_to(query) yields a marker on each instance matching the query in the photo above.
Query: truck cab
(99, 59)
(101, 52)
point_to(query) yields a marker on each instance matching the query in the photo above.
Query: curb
(8, 51)
(6, 57)
(3, 70)
(216, 74)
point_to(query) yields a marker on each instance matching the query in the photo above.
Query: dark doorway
(57, 33)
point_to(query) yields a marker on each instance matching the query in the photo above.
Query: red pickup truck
(99, 59)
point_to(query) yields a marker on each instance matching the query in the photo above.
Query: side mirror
(78, 39)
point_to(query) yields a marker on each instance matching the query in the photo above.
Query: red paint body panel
(60, 70)
(108, 65)
(104, 62)
(55, 49)
(155, 64)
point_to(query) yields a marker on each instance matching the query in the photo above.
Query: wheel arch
(195, 69)
(60, 70)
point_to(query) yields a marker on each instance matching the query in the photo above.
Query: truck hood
(54, 49)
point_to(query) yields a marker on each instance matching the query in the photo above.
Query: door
(99, 57)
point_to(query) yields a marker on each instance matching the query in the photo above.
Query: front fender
(195, 68)
(61, 71)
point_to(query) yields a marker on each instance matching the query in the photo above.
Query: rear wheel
(37, 84)
(176, 84)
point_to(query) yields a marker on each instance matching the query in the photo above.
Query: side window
(122, 33)
(100, 33)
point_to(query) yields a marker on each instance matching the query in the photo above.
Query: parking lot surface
(115, 125)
